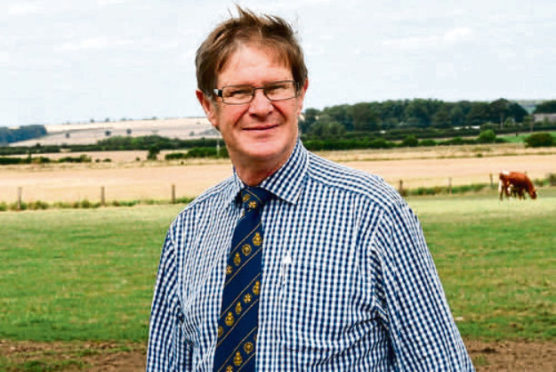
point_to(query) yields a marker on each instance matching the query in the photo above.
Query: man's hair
(248, 28)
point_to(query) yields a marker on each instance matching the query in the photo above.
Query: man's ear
(209, 106)
(301, 96)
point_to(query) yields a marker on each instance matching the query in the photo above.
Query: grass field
(88, 274)
(79, 274)
(496, 261)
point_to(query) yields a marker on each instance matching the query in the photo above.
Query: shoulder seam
(356, 181)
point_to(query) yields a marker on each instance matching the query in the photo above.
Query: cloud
(458, 34)
(24, 8)
(94, 44)
(5, 58)
(452, 36)
(111, 2)
(412, 42)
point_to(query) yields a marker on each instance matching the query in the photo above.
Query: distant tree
(107, 133)
(107, 120)
(487, 136)
(392, 113)
(547, 107)
(410, 141)
(517, 112)
(326, 128)
(457, 115)
(365, 117)
(540, 139)
(419, 112)
(502, 109)
(91, 120)
(442, 118)
(488, 125)
(154, 150)
(26, 132)
(529, 122)
(499, 110)
(128, 131)
(341, 114)
(478, 114)
(309, 117)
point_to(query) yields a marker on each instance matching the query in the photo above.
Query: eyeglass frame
(218, 92)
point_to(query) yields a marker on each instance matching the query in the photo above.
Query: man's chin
(261, 152)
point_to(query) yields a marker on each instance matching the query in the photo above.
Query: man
(294, 263)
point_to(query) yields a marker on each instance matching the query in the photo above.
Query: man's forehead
(275, 54)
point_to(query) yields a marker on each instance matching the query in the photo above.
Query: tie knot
(254, 197)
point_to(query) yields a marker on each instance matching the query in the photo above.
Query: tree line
(358, 125)
(546, 107)
(417, 113)
(8, 135)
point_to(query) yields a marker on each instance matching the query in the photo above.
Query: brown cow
(515, 184)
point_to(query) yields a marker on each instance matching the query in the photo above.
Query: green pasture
(520, 138)
(84, 274)
(497, 262)
(88, 274)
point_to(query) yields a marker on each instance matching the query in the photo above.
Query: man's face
(260, 132)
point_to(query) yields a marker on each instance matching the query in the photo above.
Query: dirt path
(91, 356)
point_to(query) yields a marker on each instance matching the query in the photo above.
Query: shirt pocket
(315, 309)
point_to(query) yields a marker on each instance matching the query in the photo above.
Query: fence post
(19, 197)
(102, 196)
(450, 185)
(491, 181)
(400, 188)
(173, 194)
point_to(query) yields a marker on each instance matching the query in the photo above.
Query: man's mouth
(261, 128)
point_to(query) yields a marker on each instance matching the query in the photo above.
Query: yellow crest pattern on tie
(238, 325)
(257, 239)
(246, 249)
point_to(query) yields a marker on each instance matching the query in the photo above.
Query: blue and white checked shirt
(348, 282)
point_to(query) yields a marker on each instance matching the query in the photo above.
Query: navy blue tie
(238, 323)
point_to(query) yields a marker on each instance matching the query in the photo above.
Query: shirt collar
(286, 183)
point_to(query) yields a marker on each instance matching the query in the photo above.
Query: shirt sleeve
(423, 334)
(167, 350)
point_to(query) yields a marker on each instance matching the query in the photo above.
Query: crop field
(125, 178)
(90, 133)
(76, 285)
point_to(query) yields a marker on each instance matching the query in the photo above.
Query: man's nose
(260, 105)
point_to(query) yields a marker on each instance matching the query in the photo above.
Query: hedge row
(84, 204)
(198, 152)
(42, 160)
(119, 143)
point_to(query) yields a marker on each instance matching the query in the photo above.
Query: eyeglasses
(243, 94)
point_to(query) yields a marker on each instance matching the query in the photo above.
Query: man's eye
(275, 88)
(238, 92)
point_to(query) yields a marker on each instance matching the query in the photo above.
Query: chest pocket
(316, 301)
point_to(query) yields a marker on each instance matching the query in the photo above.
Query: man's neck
(254, 174)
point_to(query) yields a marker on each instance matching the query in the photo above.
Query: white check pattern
(348, 281)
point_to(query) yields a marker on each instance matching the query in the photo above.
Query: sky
(73, 61)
